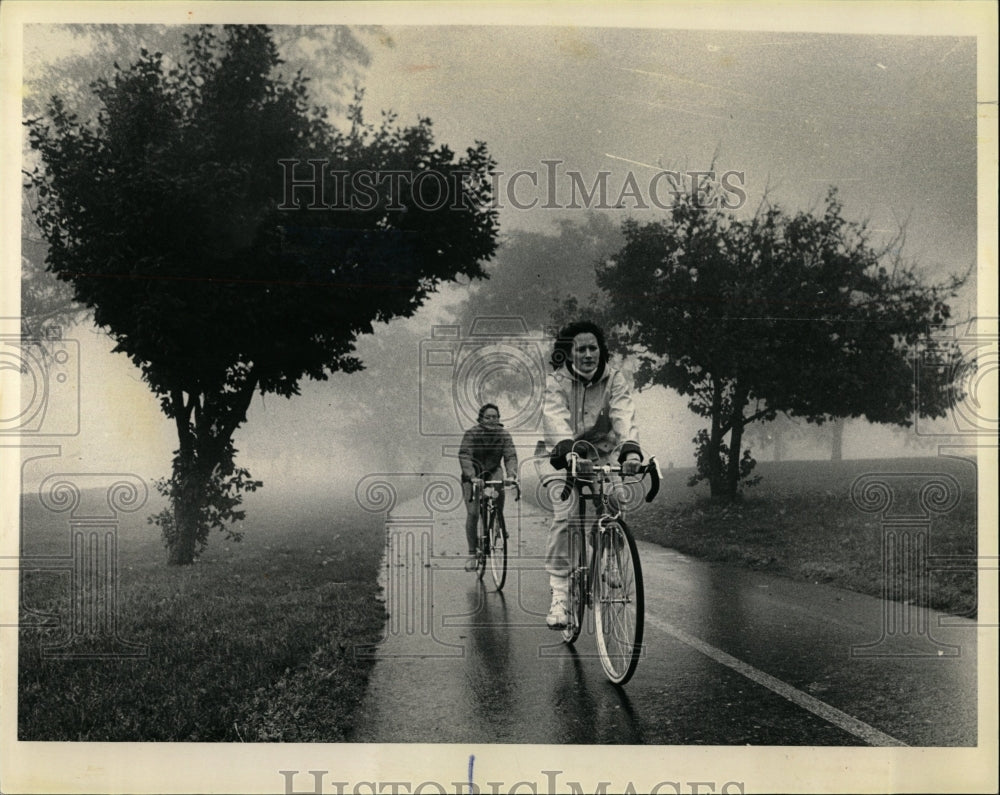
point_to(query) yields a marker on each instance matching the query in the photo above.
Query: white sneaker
(471, 564)
(558, 616)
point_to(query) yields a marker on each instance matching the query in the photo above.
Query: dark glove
(630, 466)
(558, 456)
(629, 447)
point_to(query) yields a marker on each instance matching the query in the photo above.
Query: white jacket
(599, 411)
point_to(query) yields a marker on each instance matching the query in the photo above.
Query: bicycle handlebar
(651, 468)
(507, 483)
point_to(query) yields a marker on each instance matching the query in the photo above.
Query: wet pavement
(731, 657)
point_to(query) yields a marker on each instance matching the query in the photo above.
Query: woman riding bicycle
(483, 448)
(585, 400)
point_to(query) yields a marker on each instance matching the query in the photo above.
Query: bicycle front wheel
(577, 587)
(485, 518)
(618, 602)
(498, 551)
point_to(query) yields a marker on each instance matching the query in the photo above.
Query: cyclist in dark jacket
(484, 447)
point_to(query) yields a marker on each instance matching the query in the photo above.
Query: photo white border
(211, 768)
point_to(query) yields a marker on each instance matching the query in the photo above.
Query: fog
(393, 417)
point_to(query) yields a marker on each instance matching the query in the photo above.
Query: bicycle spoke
(577, 588)
(498, 552)
(481, 553)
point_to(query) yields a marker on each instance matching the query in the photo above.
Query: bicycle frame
(602, 498)
(580, 533)
(490, 513)
(489, 500)
(606, 574)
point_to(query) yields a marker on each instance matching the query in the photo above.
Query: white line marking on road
(858, 728)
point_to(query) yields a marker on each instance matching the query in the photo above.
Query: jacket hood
(599, 373)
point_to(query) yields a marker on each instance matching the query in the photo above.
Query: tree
(837, 439)
(169, 215)
(798, 313)
(784, 431)
(48, 307)
(534, 271)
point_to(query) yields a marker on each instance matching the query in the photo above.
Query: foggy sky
(890, 120)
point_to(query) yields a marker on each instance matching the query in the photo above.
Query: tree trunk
(837, 431)
(181, 551)
(733, 474)
(779, 445)
(188, 488)
(188, 500)
(716, 479)
(204, 447)
(735, 443)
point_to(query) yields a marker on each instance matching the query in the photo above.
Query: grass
(800, 522)
(255, 642)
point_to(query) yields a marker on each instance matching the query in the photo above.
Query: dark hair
(486, 407)
(562, 352)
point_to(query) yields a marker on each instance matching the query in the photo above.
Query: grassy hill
(255, 642)
(800, 521)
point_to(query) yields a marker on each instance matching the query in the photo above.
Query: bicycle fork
(584, 570)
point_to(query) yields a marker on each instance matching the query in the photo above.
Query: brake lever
(568, 485)
(654, 478)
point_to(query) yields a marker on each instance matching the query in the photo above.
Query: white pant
(557, 552)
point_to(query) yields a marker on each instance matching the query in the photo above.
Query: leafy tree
(784, 431)
(798, 313)
(47, 304)
(168, 216)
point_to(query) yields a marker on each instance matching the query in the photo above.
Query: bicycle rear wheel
(498, 550)
(618, 602)
(577, 587)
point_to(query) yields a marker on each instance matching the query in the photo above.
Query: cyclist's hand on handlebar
(632, 464)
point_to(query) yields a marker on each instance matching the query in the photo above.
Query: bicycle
(492, 545)
(605, 572)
